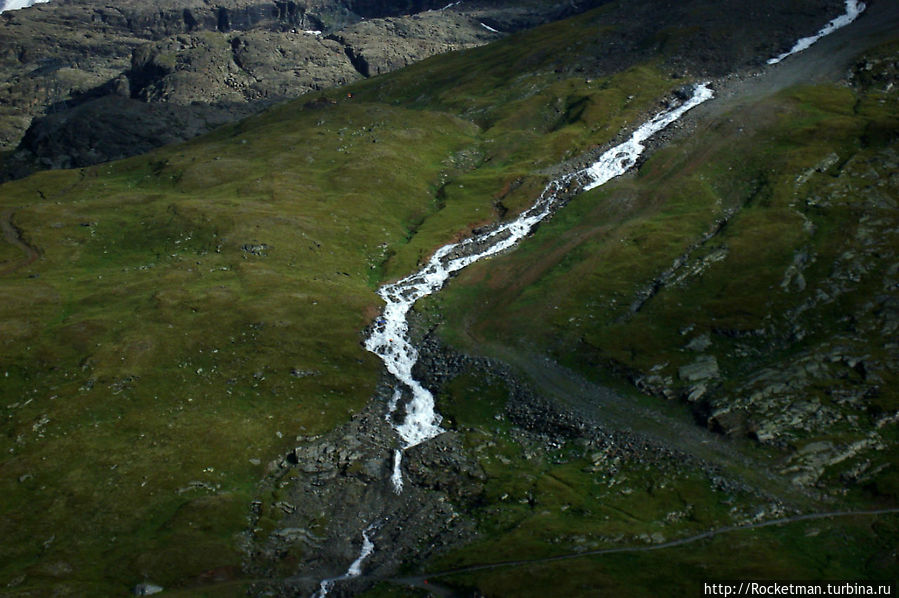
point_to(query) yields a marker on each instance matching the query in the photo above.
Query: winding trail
(422, 581)
(13, 236)
(425, 581)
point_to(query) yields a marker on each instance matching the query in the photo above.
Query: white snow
(489, 28)
(853, 9)
(389, 339)
(17, 4)
(312, 32)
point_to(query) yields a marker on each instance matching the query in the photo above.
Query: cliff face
(218, 62)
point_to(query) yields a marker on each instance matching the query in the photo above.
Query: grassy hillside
(172, 323)
(191, 313)
(765, 242)
(194, 310)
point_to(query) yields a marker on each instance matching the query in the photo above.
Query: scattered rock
(699, 343)
(704, 368)
(260, 249)
(146, 589)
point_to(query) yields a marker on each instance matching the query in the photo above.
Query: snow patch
(17, 4)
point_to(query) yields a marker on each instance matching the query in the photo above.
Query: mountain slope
(192, 322)
(747, 271)
(86, 82)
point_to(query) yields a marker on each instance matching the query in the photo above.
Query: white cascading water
(388, 338)
(853, 9)
(354, 570)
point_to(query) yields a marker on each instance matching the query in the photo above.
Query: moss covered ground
(195, 309)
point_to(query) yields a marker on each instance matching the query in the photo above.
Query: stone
(374, 468)
(704, 368)
(694, 393)
(699, 343)
(146, 589)
(727, 420)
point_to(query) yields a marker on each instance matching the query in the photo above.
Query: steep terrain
(701, 345)
(759, 292)
(86, 81)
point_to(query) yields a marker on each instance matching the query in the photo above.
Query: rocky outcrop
(242, 55)
(236, 56)
(410, 38)
(814, 380)
(93, 132)
(254, 67)
(316, 501)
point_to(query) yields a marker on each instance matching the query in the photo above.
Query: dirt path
(423, 581)
(13, 236)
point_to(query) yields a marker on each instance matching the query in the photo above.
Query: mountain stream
(389, 338)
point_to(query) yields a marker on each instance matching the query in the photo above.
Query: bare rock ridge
(151, 74)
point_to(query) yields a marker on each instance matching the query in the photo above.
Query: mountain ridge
(185, 67)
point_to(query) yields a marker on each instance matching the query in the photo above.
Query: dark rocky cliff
(206, 62)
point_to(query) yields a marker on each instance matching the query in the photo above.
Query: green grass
(543, 499)
(807, 550)
(387, 590)
(157, 335)
(581, 272)
(196, 309)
